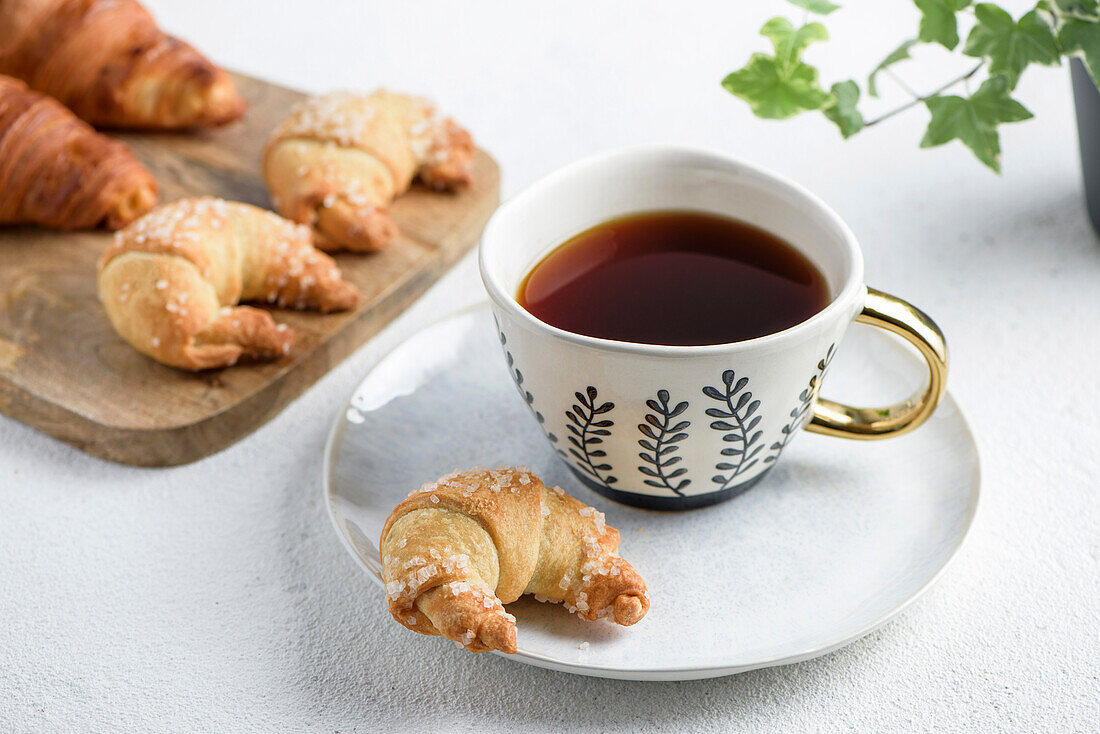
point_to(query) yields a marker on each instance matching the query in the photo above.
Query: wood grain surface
(64, 371)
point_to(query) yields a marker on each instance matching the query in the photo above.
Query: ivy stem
(897, 80)
(918, 99)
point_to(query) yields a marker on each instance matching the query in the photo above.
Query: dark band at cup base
(668, 504)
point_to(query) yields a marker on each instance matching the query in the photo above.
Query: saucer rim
(656, 673)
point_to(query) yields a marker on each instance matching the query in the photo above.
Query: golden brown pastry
(171, 282)
(461, 547)
(338, 161)
(111, 65)
(56, 171)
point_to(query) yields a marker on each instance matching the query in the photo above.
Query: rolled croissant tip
(344, 228)
(498, 633)
(220, 103)
(379, 229)
(630, 608)
(209, 97)
(341, 296)
(138, 202)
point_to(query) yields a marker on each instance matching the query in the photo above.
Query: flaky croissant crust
(56, 171)
(111, 65)
(460, 548)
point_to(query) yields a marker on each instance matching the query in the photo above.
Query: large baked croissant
(338, 161)
(110, 64)
(171, 282)
(56, 171)
(459, 548)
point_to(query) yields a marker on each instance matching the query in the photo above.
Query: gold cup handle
(909, 322)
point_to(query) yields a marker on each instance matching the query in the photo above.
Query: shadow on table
(374, 672)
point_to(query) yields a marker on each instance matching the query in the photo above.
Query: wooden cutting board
(64, 371)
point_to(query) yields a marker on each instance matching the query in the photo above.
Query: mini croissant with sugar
(337, 162)
(172, 282)
(461, 547)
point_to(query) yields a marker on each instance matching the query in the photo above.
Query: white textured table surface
(217, 597)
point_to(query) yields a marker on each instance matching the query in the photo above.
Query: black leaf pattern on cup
(738, 424)
(661, 436)
(517, 378)
(589, 432)
(805, 400)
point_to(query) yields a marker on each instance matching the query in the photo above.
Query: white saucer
(837, 539)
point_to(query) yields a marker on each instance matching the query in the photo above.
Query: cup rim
(852, 289)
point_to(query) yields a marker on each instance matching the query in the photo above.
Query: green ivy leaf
(898, 54)
(781, 86)
(821, 7)
(993, 103)
(938, 23)
(1086, 9)
(789, 42)
(974, 121)
(774, 92)
(1011, 46)
(841, 108)
(1082, 38)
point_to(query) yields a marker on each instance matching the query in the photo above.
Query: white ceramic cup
(678, 427)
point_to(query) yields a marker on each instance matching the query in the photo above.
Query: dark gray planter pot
(1087, 101)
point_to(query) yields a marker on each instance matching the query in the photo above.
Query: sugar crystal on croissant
(461, 547)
